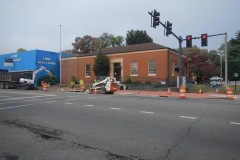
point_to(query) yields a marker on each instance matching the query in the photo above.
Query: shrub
(128, 81)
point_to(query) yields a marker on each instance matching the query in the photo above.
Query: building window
(152, 67)
(134, 68)
(87, 70)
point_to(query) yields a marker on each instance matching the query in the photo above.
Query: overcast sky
(35, 24)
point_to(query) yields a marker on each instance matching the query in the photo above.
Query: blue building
(32, 60)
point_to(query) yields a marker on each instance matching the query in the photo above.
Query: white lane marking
(8, 102)
(71, 99)
(147, 112)
(188, 117)
(4, 96)
(50, 102)
(67, 103)
(116, 109)
(24, 105)
(53, 98)
(91, 97)
(31, 100)
(89, 105)
(21, 98)
(235, 123)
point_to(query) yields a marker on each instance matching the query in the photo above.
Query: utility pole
(60, 56)
(226, 62)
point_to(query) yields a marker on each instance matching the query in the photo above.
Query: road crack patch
(9, 156)
(169, 151)
(54, 134)
(44, 132)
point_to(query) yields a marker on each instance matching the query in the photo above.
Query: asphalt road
(36, 125)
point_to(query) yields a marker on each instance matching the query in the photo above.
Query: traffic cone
(216, 91)
(169, 91)
(200, 91)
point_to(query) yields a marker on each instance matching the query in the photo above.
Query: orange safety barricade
(229, 94)
(182, 92)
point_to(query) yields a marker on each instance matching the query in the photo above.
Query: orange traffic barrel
(45, 87)
(95, 91)
(229, 94)
(182, 92)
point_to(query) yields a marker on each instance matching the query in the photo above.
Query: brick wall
(164, 59)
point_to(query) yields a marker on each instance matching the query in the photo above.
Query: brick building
(149, 62)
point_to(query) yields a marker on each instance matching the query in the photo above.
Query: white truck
(105, 85)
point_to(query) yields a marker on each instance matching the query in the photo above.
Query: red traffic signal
(189, 41)
(204, 40)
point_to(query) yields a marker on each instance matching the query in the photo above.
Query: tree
(67, 51)
(233, 51)
(109, 40)
(101, 66)
(137, 37)
(200, 64)
(21, 50)
(84, 45)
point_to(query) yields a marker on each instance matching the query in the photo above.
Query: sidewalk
(173, 94)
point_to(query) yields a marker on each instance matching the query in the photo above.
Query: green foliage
(200, 63)
(128, 81)
(101, 66)
(48, 79)
(21, 50)
(109, 40)
(67, 51)
(74, 79)
(148, 82)
(233, 51)
(137, 82)
(85, 44)
(197, 87)
(137, 37)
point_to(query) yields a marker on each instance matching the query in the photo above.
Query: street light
(60, 57)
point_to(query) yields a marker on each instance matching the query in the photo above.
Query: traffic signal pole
(155, 21)
(226, 55)
(180, 50)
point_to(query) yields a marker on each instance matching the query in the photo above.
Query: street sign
(235, 74)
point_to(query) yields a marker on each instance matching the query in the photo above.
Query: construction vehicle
(105, 85)
(30, 79)
(19, 79)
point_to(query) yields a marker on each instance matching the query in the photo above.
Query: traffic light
(169, 28)
(156, 19)
(204, 41)
(189, 41)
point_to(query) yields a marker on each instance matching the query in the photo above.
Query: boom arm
(38, 70)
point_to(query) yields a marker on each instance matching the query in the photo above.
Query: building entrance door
(117, 71)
